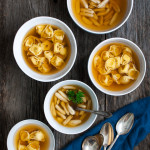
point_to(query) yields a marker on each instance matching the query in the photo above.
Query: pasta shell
(22, 147)
(110, 64)
(24, 135)
(38, 136)
(57, 61)
(46, 45)
(29, 41)
(34, 145)
(115, 50)
(36, 49)
(106, 55)
(103, 71)
(105, 80)
(60, 49)
(98, 62)
(126, 58)
(124, 69)
(40, 28)
(125, 79)
(48, 55)
(133, 73)
(58, 36)
(47, 32)
(116, 76)
(34, 60)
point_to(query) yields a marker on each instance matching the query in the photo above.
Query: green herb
(75, 97)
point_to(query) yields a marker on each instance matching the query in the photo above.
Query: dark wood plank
(22, 98)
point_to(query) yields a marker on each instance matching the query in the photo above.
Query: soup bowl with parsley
(59, 111)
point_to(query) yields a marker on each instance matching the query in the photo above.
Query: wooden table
(22, 97)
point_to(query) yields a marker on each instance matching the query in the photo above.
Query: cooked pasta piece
(48, 32)
(67, 120)
(48, 55)
(60, 109)
(37, 136)
(75, 122)
(24, 136)
(57, 61)
(105, 80)
(58, 36)
(36, 49)
(40, 28)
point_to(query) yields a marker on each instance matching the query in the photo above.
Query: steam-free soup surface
(21, 139)
(61, 105)
(46, 49)
(115, 67)
(98, 15)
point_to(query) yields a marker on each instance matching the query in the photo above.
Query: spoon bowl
(108, 134)
(93, 142)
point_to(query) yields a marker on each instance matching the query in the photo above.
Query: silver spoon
(123, 126)
(93, 142)
(108, 134)
(101, 113)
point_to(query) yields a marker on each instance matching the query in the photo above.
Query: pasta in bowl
(45, 49)
(58, 109)
(117, 66)
(100, 16)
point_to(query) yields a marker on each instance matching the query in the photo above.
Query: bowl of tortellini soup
(59, 110)
(100, 16)
(117, 66)
(45, 49)
(30, 135)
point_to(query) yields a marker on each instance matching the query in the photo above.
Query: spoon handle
(102, 113)
(110, 147)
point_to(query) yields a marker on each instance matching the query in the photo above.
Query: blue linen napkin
(140, 129)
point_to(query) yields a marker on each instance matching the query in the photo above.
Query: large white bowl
(14, 130)
(128, 12)
(141, 58)
(17, 48)
(54, 123)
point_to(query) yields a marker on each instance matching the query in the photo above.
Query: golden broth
(79, 115)
(28, 61)
(123, 7)
(115, 86)
(30, 128)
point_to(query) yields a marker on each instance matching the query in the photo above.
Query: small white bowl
(54, 123)
(128, 12)
(14, 130)
(141, 58)
(17, 48)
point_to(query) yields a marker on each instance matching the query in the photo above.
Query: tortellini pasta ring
(58, 36)
(46, 45)
(110, 64)
(124, 69)
(48, 55)
(133, 73)
(106, 55)
(98, 62)
(34, 60)
(125, 80)
(105, 80)
(24, 135)
(126, 58)
(115, 50)
(103, 71)
(57, 61)
(40, 28)
(47, 32)
(36, 49)
(38, 136)
(60, 49)
(34, 145)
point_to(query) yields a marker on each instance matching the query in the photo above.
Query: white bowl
(128, 12)
(54, 123)
(17, 48)
(14, 130)
(141, 58)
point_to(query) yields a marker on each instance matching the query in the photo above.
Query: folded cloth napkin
(140, 129)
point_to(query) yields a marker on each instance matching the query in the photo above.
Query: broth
(53, 70)
(114, 86)
(78, 115)
(30, 128)
(101, 26)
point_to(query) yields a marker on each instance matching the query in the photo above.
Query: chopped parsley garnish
(75, 97)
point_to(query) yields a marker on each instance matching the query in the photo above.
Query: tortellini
(48, 50)
(115, 64)
(38, 136)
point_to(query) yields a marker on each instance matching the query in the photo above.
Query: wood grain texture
(22, 98)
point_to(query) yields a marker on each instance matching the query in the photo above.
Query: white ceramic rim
(52, 121)
(116, 93)
(27, 72)
(100, 32)
(15, 128)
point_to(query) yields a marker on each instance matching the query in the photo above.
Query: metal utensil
(108, 134)
(102, 113)
(123, 126)
(93, 142)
